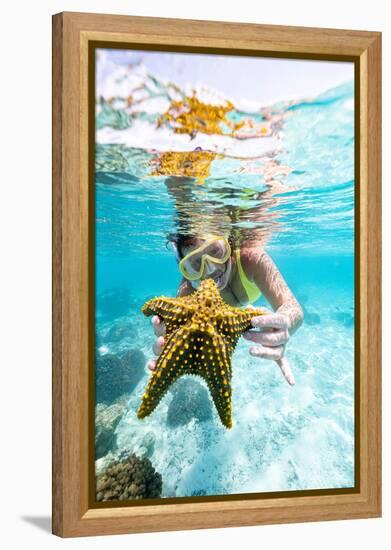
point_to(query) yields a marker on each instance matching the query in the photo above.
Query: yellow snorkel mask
(215, 249)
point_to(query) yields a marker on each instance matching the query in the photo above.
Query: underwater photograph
(224, 275)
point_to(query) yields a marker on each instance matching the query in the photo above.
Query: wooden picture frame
(73, 34)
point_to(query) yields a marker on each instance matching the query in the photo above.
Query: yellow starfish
(201, 334)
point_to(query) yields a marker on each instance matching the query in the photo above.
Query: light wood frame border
(72, 33)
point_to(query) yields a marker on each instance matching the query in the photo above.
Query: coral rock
(107, 417)
(145, 482)
(190, 400)
(118, 376)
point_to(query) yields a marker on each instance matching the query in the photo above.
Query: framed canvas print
(216, 274)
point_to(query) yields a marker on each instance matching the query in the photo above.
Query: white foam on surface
(144, 135)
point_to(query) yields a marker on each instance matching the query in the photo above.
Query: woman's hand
(271, 337)
(159, 330)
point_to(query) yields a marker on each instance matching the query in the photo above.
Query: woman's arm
(276, 291)
(273, 331)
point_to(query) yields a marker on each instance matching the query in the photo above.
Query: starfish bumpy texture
(201, 334)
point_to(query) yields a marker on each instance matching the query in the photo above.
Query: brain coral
(128, 479)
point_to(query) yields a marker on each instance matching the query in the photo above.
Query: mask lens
(194, 263)
(192, 268)
(217, 250)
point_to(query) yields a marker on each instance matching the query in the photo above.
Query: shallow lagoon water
(283, 438)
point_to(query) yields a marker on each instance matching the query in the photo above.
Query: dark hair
(180, 241)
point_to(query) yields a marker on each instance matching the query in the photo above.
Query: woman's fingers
(158, 345)
(159, 329)
(272, 330)
(158, 325)
(274, 320)
(270, 338)
(151, 364)
(157, 348)
(286, 370)
(267, 353)
(277, 354)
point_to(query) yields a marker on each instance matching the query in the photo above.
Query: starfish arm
(164, 374)
(209, 355)
(179, 356)
(235, 322)
(217, 371)
(164, 306)
(174, 311)
(242, 318)
(193, 351)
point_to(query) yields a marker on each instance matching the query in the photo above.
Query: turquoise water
(283, 438)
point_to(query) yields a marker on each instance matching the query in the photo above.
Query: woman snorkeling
(242, 273)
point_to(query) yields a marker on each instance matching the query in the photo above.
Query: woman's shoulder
(250, 257)
(251, 254)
